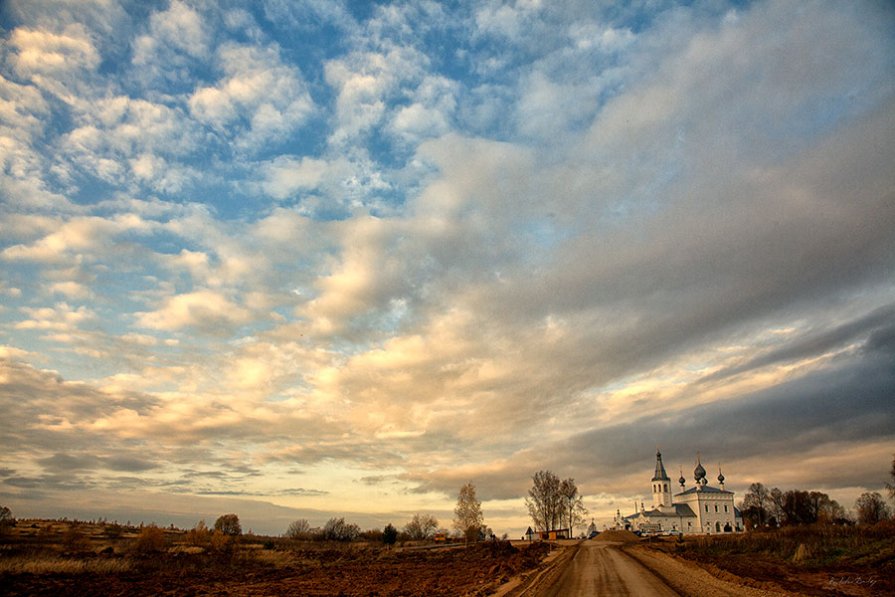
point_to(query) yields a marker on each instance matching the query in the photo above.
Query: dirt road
(611, 568)
(602, 569)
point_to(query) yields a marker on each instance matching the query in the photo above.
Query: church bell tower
(661, 485)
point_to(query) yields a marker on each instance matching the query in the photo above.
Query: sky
(318, 258)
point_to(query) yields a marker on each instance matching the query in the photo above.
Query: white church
(701, 509)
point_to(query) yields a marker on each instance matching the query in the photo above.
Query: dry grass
(803, 560)
(808, 547)
(188, 549)
(277, 559)
(53, 565)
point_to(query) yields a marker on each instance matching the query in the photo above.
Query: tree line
(762, 507)
(468, 523)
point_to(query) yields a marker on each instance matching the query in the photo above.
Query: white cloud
(431, 113)
(257, 87)
(71, 289)
(23, 111)
(285, 175)
(506, 19)
(60, 318)
(38, 54)
(75, 239)
(365, 82)
(206, 310)
(177, 30)
(586, 36)
(122, 140)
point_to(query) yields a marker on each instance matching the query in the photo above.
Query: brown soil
(763, 571)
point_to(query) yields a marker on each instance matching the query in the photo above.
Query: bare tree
(468, 518)
(299, 529)
(891, 486)
(545, 501)
(573, 504)
(421, 526)
(756, 503)
(871, 508)
(823, 509)
(777, 503)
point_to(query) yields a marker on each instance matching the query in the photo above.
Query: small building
(556, 534)
(551, 535)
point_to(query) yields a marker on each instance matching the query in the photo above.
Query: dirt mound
(617, 536)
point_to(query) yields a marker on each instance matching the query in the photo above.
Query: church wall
(710, 511)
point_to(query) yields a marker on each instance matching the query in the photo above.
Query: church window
(725, 508)
(717, 527)
(706, 507)
(666, 486)
(716, 507)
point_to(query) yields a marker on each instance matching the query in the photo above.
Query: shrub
(336, 529)
(199, 535)
(150, 540)
(6, 520)
(228, 524)
(222, 542)
(74, 540)
(113, 530)
(389, 535)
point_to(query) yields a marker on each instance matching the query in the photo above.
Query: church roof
(684, 510)
(679, 510)
(660, 475)
(703, 489)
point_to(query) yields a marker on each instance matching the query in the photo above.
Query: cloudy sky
(305, 259)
